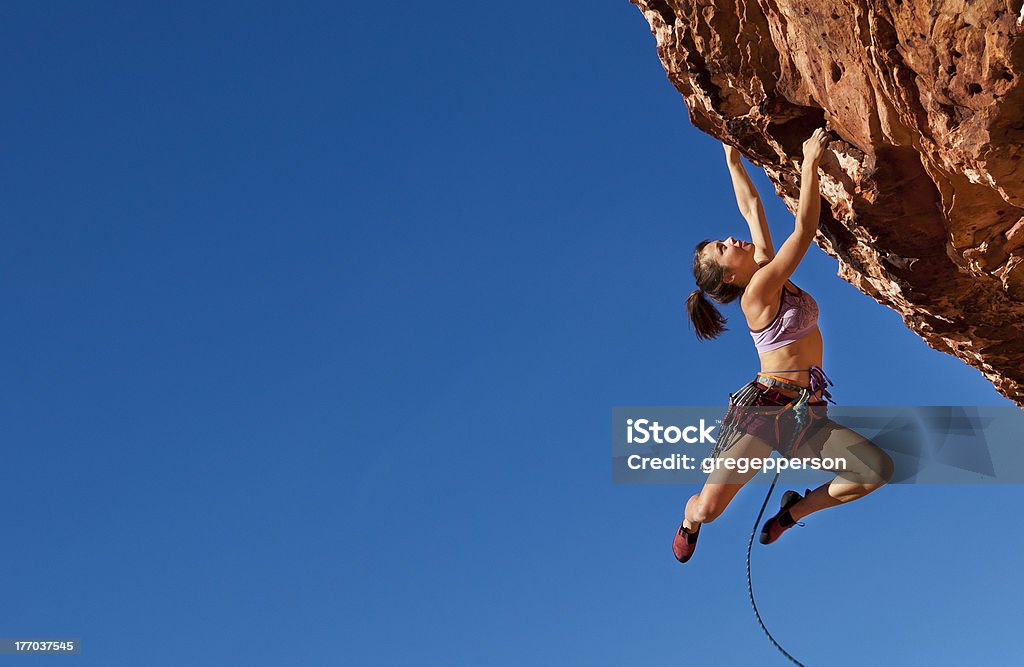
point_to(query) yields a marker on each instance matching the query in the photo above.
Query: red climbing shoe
(772, 529)
(685, 543)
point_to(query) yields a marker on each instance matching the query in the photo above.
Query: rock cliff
(924, 197)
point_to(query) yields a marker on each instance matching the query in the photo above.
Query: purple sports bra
(797, 317)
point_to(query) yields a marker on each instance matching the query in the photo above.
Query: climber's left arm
(750, 206)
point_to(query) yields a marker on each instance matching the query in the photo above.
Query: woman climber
(783, 321)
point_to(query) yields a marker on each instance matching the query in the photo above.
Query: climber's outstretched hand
(815, 146)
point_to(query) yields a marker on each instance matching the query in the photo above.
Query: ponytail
(707, 321)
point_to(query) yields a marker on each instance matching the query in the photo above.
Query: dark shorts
(767, 413)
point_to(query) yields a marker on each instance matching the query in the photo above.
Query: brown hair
(706, 320)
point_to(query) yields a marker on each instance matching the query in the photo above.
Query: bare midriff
(800, 354)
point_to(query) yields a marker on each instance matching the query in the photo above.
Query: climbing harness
(745, 407)
(731, 430)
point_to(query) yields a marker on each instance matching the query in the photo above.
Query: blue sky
(315, 320)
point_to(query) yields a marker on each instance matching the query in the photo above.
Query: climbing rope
(750, 586)
(743, 398)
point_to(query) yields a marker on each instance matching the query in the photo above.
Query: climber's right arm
(773, 275)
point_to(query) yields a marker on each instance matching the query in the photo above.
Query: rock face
(924, 199)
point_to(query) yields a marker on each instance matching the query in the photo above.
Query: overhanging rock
(925, 199)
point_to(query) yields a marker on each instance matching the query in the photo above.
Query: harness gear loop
(818, 381)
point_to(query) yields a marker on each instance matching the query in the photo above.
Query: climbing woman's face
(730, 254)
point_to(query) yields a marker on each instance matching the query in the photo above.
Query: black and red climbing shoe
(685, 543)
(781, 522)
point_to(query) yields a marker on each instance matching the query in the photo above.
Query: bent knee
(882, 470)
(874, 471)
(875, 479)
